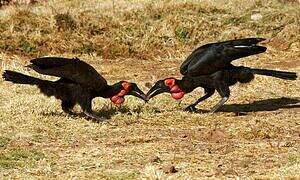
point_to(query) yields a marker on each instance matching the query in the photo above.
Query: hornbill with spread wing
(209, 66)
(79, 83)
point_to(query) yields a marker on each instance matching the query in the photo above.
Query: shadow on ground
(106, 112)
(263, 105)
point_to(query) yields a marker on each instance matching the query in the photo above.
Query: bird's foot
(98, 119)
(94, 117)
(191, 108)
(70, 113)
(72, 116)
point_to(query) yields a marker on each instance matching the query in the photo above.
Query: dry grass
(141, 141)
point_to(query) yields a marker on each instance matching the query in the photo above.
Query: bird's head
(169, 85)
(126, 88)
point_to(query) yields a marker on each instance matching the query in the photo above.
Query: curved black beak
(135, 91)
(158, 88)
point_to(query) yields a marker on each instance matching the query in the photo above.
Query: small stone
(170, 169)
(157, 110)
(119, 161)
(155, 159)
(183, 135)
(148, 84)
(256, 17)
(267, 136)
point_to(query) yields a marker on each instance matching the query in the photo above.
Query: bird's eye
(170, 82)
(126, 86)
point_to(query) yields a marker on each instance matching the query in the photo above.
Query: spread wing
(72, 69)
(213, 57)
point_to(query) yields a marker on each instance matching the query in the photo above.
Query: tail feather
(274, 73)
(239, 48)
(20, 78)
(48, 88)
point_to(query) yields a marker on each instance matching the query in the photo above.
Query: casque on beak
(135, 91)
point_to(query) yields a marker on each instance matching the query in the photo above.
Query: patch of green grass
(294, 159)
(20, 158)
(7, 163)
(65, 21)
(182, 33)
(37, 138)
(85, 48)
(237, 20)
(124, 176)
(3, 26)
(4, 141)
(117, 175)
(27, 47)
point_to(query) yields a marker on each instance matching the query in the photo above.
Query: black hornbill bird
(79, 83)
(209, 66)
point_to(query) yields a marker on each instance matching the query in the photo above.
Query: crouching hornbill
(79, 83)
(209, 67)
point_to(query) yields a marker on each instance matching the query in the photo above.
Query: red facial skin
(126, 86)
(170, 82)
(119, 98)
(175, 91)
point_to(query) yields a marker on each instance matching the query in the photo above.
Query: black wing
(213, 57)
(72, 69)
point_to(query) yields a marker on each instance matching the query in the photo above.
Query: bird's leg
(67, 106)
(192, 107)
(224, 91)
(220, 103)
(87, 110)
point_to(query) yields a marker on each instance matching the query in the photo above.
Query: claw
(94, 116)
(191, 108)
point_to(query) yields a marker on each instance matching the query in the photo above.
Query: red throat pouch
(122, 93)
(175, 89)
(117, 100)
(120, 101)
(177, 95)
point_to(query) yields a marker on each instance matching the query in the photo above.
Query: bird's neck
(186, 84)
(109, 91)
